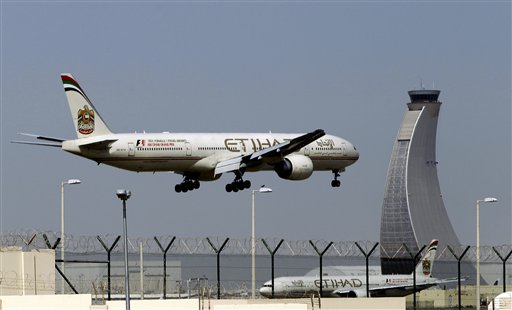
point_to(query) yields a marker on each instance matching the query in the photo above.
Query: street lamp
(70, 182)
(262, 189)
(486, 200)
(125, 195)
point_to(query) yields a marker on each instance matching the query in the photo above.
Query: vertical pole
(126, 274)
(141, 271)
(62, 231)
(477, 303)
(253, 253)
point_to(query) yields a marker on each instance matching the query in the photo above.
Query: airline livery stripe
(69, 81)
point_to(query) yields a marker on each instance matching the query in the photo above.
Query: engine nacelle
(350, 294)
(294, 167)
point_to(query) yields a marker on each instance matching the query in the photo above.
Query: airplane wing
(269, 155)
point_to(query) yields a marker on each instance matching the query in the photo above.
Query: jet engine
(351, 293)
(294, 167)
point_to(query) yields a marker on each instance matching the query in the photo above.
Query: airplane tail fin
(424, 268)
(87, 120)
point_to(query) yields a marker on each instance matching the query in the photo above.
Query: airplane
(199, 156)
(355, 285)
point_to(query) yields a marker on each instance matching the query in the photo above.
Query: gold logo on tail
(85, 120)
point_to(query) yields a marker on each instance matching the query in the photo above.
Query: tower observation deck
(413, 212)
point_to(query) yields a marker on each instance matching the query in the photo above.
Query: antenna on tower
(433, 85)
(421, 84)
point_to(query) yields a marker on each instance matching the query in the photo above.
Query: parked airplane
(355, 285)
(200, 156)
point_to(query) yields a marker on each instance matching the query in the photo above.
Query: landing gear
(336, 182)
(238, 185)
(187, 185)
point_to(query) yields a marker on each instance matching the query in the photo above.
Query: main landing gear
(336, 182)
(187, 185)
(238, 185)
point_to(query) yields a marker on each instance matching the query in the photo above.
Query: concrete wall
(27, 273)
(265, 304)
(83, 302)
(43, 302)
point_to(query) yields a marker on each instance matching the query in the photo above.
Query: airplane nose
(352, 152)
(266, 290)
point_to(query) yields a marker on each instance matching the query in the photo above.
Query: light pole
(125, 195)
(70, 182)
(262, 189)
(486, 200)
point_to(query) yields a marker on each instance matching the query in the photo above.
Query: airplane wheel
(196, 184)
(247, 184)
(235, 187)
(229, 188)
(239, 185)
(184, 189)
(189, 186)
(177, 188)
(335, 183)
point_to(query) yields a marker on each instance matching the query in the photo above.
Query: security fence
(176, 267)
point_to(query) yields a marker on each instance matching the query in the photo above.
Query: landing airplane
(199, 156)
(355, 285)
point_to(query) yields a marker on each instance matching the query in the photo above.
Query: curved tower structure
(413, 212)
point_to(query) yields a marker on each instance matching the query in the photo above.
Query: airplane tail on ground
(87, 120)
(424, 268)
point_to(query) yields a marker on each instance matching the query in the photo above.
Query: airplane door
(188, 147)
(306, 150)
(131, 149)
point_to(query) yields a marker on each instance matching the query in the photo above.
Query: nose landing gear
(336, 182)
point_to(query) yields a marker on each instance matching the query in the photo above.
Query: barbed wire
(33, 239)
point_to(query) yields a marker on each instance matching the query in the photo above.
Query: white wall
(27, 273)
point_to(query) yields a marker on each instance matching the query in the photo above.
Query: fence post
(165, 261)
(53, 247)
(415, 260)
(218, 261)
(272, 254)
(109, 251)
(504, 261)
(367, 257)
(321, 254)
(458, 258)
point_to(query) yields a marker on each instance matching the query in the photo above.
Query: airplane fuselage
(200, 152)
(344, 286)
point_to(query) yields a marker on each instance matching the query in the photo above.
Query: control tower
(413, 211)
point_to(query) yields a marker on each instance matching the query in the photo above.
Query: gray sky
(235, 66)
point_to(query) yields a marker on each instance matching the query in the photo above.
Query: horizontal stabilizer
(42, 137)
(37, 143)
